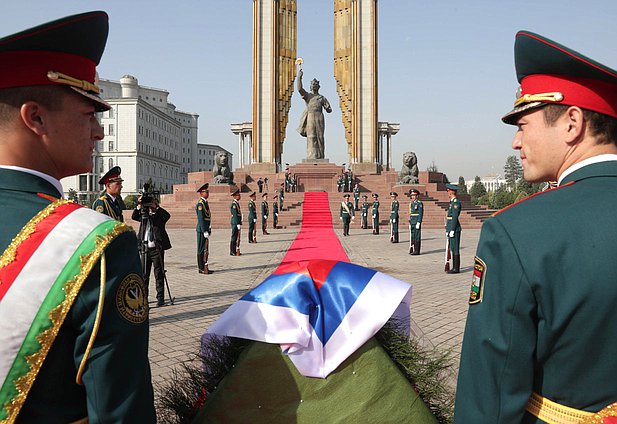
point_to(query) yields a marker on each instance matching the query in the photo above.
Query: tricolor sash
(41, 273)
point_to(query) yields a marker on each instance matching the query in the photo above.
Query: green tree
(503, 197)
(462, 187)
(72, 195)
(130, 201)
(513, 171)
(477, 190)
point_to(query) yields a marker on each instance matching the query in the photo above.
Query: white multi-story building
(147, 137)
(491, 182)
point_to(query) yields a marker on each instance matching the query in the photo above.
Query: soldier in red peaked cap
(73, 310)
(539, 344)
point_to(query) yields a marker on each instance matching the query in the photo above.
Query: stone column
(240, 150)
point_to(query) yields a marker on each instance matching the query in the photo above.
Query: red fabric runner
(316, 239)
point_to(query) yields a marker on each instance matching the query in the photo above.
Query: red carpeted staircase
(316, 239)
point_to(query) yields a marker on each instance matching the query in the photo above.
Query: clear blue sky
(446, 70)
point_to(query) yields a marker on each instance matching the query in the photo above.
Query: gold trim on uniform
(9, 254)
(100, 209)
(58, 314)
(131, 299)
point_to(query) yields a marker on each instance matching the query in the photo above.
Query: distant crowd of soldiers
(416, 213)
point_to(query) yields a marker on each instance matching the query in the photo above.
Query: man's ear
(573, 124)
(34, 117)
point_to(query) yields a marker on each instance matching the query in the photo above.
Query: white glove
(254, 220)
(353, 218)
(374, 216)
(276, 214)
(206, 235)
(265, 216)
(394, 221)
(239, 226)
(417, 225)
(341, 218)
(451, 234)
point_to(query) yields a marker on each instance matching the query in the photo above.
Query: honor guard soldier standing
(73, 312)
(275, 212)
(264, 214)
(204, 229)
(453, 228)
(281, 197)
(236, 224)
(252, 218)
(375, 213)
(539, 343)
(365, 205)
(356, 197)
(394, 218)
(347, 214)
(109, 203)
(416, 212)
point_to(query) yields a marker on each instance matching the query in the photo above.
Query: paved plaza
(439, 301)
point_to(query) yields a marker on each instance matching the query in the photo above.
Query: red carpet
(316, 239)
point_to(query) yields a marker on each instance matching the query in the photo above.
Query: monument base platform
(365, 168)
(316, 176)
(315, 160)
(260, 168)
(222, 188)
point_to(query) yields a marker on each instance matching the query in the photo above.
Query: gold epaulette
(555, 413)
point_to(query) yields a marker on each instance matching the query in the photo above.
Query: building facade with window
(146, 136)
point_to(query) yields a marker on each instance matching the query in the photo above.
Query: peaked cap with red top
(62, 52)
(552, 73)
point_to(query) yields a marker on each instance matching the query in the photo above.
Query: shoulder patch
(199, 207)
(100, 209)
(131, 299)
(477, 281)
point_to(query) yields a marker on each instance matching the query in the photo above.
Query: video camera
(148, 195)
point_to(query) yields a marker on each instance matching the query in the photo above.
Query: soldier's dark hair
(602, 127)
(12, 98)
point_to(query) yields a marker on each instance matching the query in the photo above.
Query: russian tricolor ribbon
(319, 311)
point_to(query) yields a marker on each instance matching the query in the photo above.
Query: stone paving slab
(439, 300)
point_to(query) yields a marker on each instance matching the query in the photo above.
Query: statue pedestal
(222, 188)
(403, 189)
(316, 176)
(315, 160)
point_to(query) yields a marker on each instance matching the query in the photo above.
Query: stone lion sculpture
(221, 172)
(409, 171)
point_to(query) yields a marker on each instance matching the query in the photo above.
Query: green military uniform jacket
(106, 205)
(264, 211)
(454, 211)
(542, 303)
(204, 217)
(252, 211)
(236, 213)
(348, 211)
(116, 383)
(394, 211)
(416, 212)
(356, 196)
(376, 211)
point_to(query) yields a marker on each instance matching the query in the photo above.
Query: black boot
(416, 247)
(200, 263)
(232, 248)
(456, 264)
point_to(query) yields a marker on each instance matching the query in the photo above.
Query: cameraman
(153, 241)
